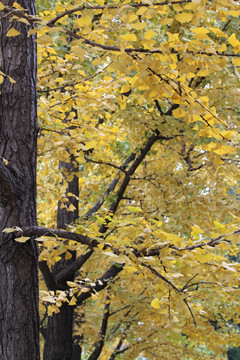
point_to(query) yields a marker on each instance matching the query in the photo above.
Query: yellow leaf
(17, 6)
(139, 25)
(73, 301)
(129, 37)
(224, 149)
(1, 6)
(183, 17)
(71, 207)
(217, 32)
(68, 256)
(1, 78)
(22, 239)
(11, 79)
(218, 225)
(12, 32)
(172, 38)
(233, 41)
(200, 30)
(236, 61)
(45, 39)
(91, 144)
(132, 17)
(155, 303)
(179, 113)
(203, 258)
(84, 20)
(13, 229)
(134, 209)
(149, 34)
(100, 246)
(49, 299)
(32, 31)
(234, 13)
(71, 284)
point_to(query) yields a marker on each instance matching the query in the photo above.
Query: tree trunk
(59, 343)
(19, 322)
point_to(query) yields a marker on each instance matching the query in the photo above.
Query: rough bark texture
(59, 343)
(19, 323)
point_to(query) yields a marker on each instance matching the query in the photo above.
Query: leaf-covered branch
(110, 7)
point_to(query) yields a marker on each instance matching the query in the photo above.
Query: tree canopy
(138, 103)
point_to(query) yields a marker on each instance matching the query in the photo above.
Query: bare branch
(69, 272)
(111, 187)
(47, 276)
(155, 272)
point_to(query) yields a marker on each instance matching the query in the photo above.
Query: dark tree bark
(59, 342)
(19, 321)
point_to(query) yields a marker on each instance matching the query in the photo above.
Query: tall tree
(18, 144)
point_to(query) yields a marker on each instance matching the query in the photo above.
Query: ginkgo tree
(137, 176)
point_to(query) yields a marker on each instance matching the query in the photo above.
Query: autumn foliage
(139, 105)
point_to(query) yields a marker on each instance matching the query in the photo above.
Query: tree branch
(102, 332)
(111, 187)
(71, 269)
(101, 283)
(52, 22)
(47, 276)
(143, 152)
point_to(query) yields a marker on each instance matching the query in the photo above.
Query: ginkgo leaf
(12, 32)
(138, 25)
(13, 229)
(236, 61)
(183, 17)
(32, 31)
(11, 79)
(179, 113)
(44, 39)
(22, 239)
(72, 284)
(204, 258)
(129, 37)
(134, 209)
(149, 34)
(73, 301)
(155, 303)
